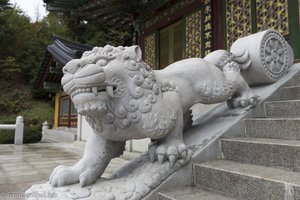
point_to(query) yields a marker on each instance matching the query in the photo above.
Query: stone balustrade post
(19, 131)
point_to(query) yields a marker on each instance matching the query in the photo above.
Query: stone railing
(19, 129)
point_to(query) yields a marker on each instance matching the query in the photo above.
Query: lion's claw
(253, 101)
(161, 158)
(163, 152)
(172, 159)
(244, 103)
(246, 99)
(83, 181)
(63, 175)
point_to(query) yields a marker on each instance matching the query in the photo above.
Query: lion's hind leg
(243, 95)
(238, 94)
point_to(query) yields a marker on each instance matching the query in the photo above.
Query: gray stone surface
(294, 82)
(261, 151)
(190, 193)
(27, 164)
(289, 109)
(123, 98)
(244, 181)
(204, 138)
(277, 128)
(59, 135)
(290, 93)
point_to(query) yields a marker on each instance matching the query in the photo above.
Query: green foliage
(34, 116)
(7, 136)
(32, 134)
(8, 66)
(13, 33)
(13, 101)
(4, 4)
(23, 46)
(96, 34)
(38, 112)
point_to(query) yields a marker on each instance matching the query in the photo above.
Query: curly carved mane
(140, 93)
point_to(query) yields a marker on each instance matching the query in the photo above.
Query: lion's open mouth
(95, 90)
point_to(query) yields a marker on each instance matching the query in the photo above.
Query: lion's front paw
(63, 175)
(172, 151)
(247, 98)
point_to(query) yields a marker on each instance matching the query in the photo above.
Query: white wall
(84, 130)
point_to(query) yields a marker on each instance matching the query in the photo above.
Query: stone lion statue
(123, 99)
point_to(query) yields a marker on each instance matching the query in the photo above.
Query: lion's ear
(138, 52)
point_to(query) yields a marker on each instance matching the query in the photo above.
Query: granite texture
(191, 193)
(24, 165)
(261, 151)
(124, 99)
(277, 128)
(290, 93)
(248, 182)
(288, 109)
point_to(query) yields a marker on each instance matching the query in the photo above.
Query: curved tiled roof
(56, 56)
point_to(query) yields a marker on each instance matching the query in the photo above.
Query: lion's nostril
(72, 66)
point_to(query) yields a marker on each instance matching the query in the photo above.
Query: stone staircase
(61, 134)
(262, 164)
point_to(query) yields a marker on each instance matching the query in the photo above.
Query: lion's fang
(94, 89)
(110, 91)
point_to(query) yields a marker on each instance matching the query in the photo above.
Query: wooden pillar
(56, 109)
(218, 24)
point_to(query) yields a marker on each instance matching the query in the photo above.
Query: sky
(31, 8)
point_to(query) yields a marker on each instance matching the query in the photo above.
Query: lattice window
(272, 14)
(238, 20)
(150, 50)
(67, 113)
(193, 35)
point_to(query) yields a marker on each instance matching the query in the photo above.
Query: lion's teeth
(110, 91)
(94, 89)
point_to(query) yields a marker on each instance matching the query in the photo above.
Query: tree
(95, 34)
(13, 35)
(4, 4)
(23, 44)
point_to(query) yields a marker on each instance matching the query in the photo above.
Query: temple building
(167, 31)
(49, 77)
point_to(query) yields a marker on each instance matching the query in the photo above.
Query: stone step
(276, 128)
(190, 193)
(294, 81)
(290, 93)
(262, 151)
(280, 109)
(248, 182)
(59, 135)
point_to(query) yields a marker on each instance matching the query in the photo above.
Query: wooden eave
(101, 11)
(56, 56)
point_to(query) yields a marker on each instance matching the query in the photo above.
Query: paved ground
(24, 165)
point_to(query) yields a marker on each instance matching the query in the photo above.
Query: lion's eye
(101, 62)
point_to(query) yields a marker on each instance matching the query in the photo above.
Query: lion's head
(113, 81)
